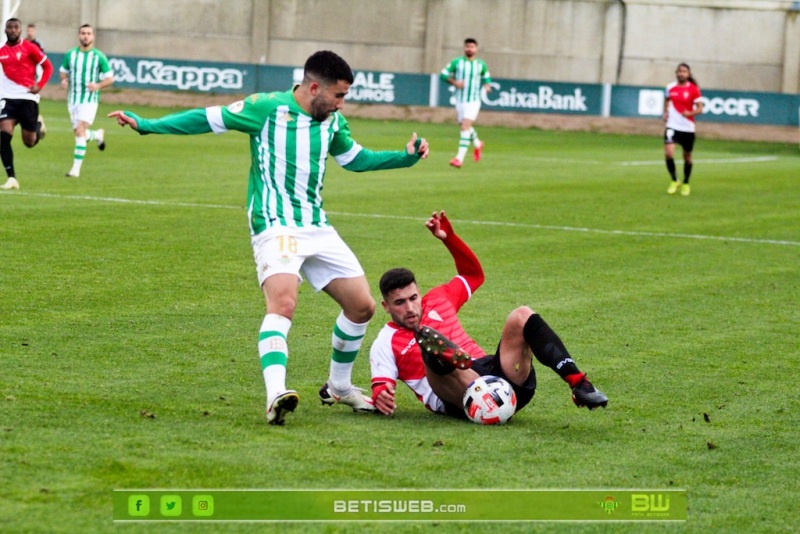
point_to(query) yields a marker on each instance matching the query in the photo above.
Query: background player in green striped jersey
(468, 74)
(291, 136)
(84, 72)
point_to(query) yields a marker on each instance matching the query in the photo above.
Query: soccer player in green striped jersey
(84, 72)
(468, 74)
(291, 135)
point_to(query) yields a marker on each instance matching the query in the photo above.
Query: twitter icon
(171, 505)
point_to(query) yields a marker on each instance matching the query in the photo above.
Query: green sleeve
(105, 68)
(188, 122)
(448, 71)
(65, 63)
(343, 146)
(487, 78)
(368, 160)
(249, 115)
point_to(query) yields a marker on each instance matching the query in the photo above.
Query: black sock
(687, 172)
(547, 346)
(671, 169)
(6, 154)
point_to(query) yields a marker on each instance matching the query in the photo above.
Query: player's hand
(384, 402)
(34, 90)
(420, 146)
(65, 83)
(124, 120)
(439, 225)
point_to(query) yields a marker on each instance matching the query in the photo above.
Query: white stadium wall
(744, 45)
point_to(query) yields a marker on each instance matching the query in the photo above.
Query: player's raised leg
(550, 351)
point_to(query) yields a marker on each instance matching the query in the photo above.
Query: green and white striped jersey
(473, 72)
(84, 68)
(288, 153)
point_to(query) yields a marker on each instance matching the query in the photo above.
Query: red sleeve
(467, 263)
(47, 71)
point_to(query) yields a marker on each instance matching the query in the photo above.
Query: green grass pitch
(129, 313)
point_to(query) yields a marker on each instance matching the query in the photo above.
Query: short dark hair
(12, 19)
(85, 26)
(328, 67)
(395, 279)
(469, 40)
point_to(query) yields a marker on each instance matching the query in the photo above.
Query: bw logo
(652, 502)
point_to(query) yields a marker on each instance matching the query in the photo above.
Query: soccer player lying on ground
(408, 348)
(291, 135)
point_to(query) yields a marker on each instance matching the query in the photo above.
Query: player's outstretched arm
(467, 264)
(369, 160)
(189, 122)
(124, 120)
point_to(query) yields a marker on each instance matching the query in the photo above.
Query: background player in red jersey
(19, 89)
(681, 104)
(436, 381)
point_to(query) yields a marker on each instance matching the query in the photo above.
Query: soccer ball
(490, 400)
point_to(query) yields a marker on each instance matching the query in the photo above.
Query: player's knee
(362, 311)
(282, 306)
(520, 316)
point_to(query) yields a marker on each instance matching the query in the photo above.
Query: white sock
(78, 154)
(346, 340)
(274, 353)
(475, 141)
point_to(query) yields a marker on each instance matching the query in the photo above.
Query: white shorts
(319, 253)
(468, 110)
(82, 112)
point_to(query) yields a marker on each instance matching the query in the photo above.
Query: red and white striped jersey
(395, 355)
(681, 98)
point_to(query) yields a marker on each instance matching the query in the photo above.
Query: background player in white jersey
(681, 104)
(84, 72)
(291, 136)
(19, 88)
(468, 74)
(407, 350)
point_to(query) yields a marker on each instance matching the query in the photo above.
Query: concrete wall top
(731, 44)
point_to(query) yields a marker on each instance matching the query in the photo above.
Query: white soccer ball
(490, 400)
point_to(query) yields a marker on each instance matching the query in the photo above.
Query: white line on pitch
(758, 159)
(585, 230)
(408, 218)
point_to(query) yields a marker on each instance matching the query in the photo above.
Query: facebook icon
(138, 505)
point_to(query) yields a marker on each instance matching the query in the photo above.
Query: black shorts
(25, 112)
(684, 139)
(490, 365)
